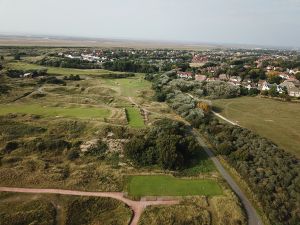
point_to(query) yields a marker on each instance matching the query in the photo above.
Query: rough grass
(47, 111)
(134, 117)
(169, 186)
(30, 211)
(48, 209)
(199, 210)
(88, 210)
(175, 215)
(228, 210)
(275, 120)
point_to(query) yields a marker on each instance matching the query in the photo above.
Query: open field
(78, 112)
(169, 186)
(275, 120)
(134, 117)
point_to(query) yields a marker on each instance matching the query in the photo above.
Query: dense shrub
(10, 146)
(272, 174)
(51, 80)
(130, 66)
(46, 144)
(4, 89)
(73, 154)
(98, 149)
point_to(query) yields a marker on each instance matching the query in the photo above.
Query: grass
(134, 117)
(129, 86)
(169, 186)
(47, 111)
(275, 120)
(57, 70)
(203, 165)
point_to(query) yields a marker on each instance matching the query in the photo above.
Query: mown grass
(275, 120)
(129, 86)
(161, 185)
(47, 111)
(134, 117)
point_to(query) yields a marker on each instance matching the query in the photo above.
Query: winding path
(136, 206)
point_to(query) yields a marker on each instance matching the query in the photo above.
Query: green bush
(73, 154)
(10, 146)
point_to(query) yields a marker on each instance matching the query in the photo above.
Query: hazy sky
(264, 22)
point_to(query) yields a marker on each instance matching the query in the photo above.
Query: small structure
(199, 77)
(294, 92)
(267, 86)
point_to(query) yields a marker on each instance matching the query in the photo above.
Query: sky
(259, 22)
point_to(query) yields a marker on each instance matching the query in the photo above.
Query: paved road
(253, 217)
(136, 206)
(224, 118)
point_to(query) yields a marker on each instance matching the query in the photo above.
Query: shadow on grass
(217, 109)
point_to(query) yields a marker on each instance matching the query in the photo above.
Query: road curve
(253, 217)
(136, 206)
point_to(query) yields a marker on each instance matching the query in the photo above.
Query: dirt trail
(136, 206)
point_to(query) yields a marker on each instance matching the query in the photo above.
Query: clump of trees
(168, 144)
(220, 89)
(130, 66)
(51, 80)
(117, 75)
(272, 174)
(68, 63)
(34, 72)
(72, 77)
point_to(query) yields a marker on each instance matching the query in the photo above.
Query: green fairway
(78, 112)
(169, 186)
(129, 86)
(57, 70)
(135, 118)
(276, 120)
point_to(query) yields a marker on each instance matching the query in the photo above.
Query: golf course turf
(170, 186)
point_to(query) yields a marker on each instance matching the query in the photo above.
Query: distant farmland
(275, 120)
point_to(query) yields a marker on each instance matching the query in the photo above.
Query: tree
(134, 149)
(297, 75)
(17, 57)
(204, 106)
(273, 91)
(274, 79)
(169, 157)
